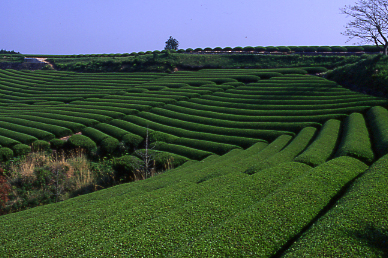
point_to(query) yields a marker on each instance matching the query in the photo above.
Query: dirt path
(43, 60)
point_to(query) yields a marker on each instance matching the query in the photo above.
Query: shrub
(260, 49)
(208, 49)
(248, 48)
(310, 49)
(314, 70)
(126, 167)
(324, 49)
(109, 145)
(21, 149)
(132, 140)
(227, 48)
(323, 147)
(355, 140)
(237, 49)
(246, 78)
(40, 145)
(377, 118)
(354, 49)
(338, 49)
(188, 152)
(198, 49)
(373, 49)
(189, 50)
(271, 49)
(57, 144)
(284, 49)
(83, 142)
(5, 154)
(217, 49)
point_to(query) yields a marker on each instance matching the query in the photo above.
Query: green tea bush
(377, 118)
(109, 145)
(284, 49)
(278, 217)
(260, 49)
(299, 143)
(246, 78)
(354, 49)
(356, 225)
(271, 49)
(248, 48)
(323, 147)
(188, 152)
(21, 137)
(314, 70)
(82, 142)
(57, 144)
(21, 149)
(126, 167)
(39, 134)
(324, 49)
(372, 48)
(94, 134)
(40, 145)
(5, 154)
(338, 49)
(355, 141)
(7, 142)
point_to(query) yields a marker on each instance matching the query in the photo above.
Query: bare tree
(148, 159)
(370, 22)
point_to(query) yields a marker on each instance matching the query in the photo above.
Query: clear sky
(125, 26)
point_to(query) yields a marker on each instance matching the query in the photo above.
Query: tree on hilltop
(171, 43)
(370, 22)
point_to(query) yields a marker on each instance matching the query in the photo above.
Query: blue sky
(118, 26)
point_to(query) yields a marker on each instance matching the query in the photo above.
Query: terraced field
(282, 164)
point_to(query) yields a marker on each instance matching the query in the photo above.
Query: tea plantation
(280, 163)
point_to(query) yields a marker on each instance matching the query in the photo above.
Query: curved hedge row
(188, 152)
(39, 134)
(235, 140)
(94, 134)
(355, 141)
(45, 131)
(21, 137)
(295, 205)
(266, 134)
(323, 147)
(298, 144)
(356, 225)
(377, 118)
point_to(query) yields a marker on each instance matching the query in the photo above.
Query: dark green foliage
(5, 154)
(163, 160)
(263, 228)
(338, 49)
(355, 49)
(260, 49)
(109, 145)
(188, 152)
(271, 49)
(246, 78)
(356, 225)
(40, 145)
(284, 49)
(298, 144)
(314, 70)
(7, 142)
(21, 137)
(132, 140)
(126, 167)
(21, 149)
(324, 49)
(94, 134)
(323, 147)
(57, 144)
(39, 134)
(377, 118)
(82, 142)
(355, 141)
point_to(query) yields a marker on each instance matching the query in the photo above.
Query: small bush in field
(83, 142)
(109, 145)
(21, 149)
(5, 154)
(40, 145)
(57, 144)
